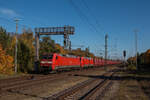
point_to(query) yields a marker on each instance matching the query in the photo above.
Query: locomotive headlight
(43, 62)
(49, 62)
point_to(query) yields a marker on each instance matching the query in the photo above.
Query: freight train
(51, 62)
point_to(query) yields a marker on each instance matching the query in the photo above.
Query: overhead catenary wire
(83, 16)
(95, 18)
(11, 21)
(92, 14)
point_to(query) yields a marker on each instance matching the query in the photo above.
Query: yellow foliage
(13, 43)
(77, 52)
(62, 51)
(148, 51)
(147, 56)
(28, 39)
(6, 62)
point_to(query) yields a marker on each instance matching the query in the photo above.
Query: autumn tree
(48, 46)
(6, 62)
(61, 49)
(5, 40)
(25, 52)
(145, 57)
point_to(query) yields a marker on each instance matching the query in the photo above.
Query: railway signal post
(124, 55)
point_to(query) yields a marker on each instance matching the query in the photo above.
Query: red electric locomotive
(56, 61)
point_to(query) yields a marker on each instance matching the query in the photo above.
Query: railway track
(23, 82)
(92, 89)
(27, 81)
(19, 84)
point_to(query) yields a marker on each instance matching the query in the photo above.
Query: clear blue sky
(92, 19)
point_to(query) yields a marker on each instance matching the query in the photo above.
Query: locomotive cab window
(44, 57)
(50, 57)
(47, 57)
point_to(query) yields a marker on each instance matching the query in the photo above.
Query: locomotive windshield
(47, 57)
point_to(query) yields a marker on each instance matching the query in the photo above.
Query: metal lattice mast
(106, 37)
(16, 48)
